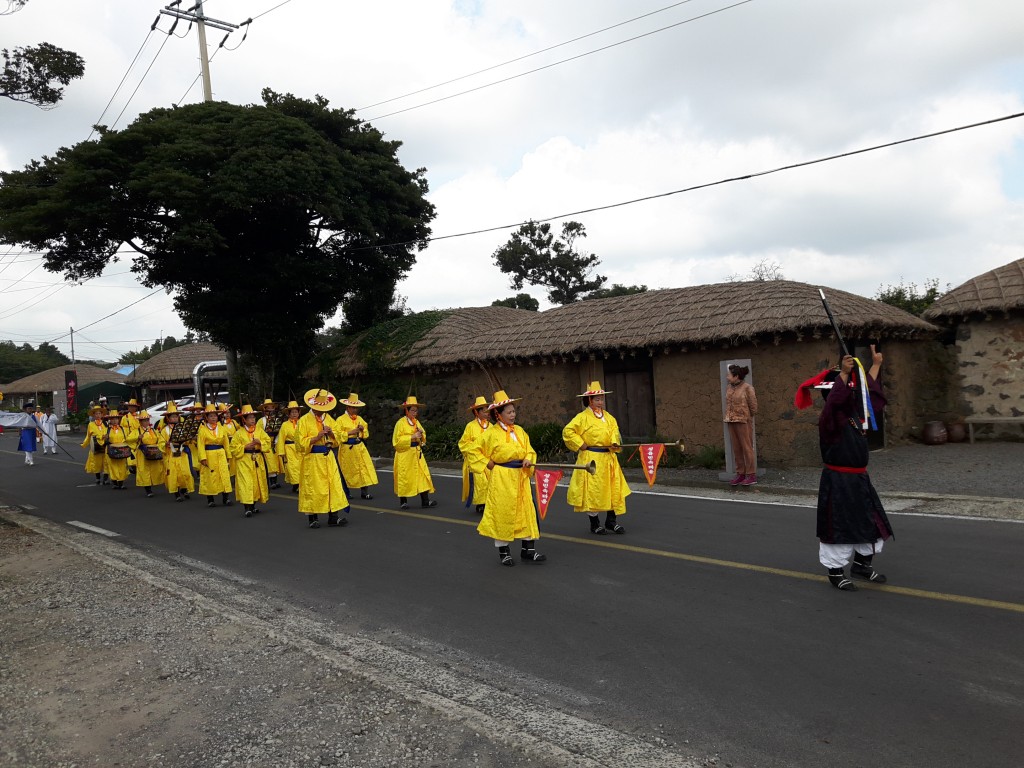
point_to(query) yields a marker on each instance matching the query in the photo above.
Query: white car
(157, 410)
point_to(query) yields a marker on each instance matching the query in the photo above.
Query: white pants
(838, 555)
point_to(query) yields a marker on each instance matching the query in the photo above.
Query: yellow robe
(509, 512)
(118, 468)
(607, 490)
(251, 484)
(274, 464)
(95, 434)
(148, 472)
(320, 488)
(215, 477)
(232, 427)
(178, 476)
(130, 424)
(412, 475)
(356, 464)
(287, 454)
(473, 430)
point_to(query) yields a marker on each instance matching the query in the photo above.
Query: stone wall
(990, 357)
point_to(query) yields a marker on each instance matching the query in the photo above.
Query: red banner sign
(71, 389)
(547, 480)
(650, 455)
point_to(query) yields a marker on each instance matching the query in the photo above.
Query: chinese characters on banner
(546, 480)
(650, 455)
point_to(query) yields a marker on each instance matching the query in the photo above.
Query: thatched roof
(1000, 290)
(724, 313)
(174, 365)
(52, 380)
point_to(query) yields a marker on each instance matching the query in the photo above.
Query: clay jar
(934, 433)
(956, 432)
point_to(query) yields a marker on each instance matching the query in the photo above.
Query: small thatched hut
(168, 375)
(986, 318)
(47, 387)
(660, 352)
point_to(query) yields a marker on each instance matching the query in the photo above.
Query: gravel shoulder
(110, 656)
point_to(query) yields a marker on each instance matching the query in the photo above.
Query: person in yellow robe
(118, 450)
(130, 424)
(178, 473)
(504, 451)
(284, 447)
(224, 415)
(594, 434)
(95, 436)
(474, 484)
(149, 459)
(412, 475)
(250, 447)
(320, 488)
(212, 446)
(197, 415)
(275, 465)
(356, 464)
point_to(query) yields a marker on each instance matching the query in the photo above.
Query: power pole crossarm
(195, 15)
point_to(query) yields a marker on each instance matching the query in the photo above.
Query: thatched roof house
(986, 317)
(170, 373)
(1000, 290)
(52, 379)
(655, 322)
(660, 351)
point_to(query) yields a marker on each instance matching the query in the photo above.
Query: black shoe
(226, 500)
(178, 497)
(313, 522)
(428, 504)
(149, 494)
(366, 496)
(403, 503)
(596, 527)
(505, 557)
(531, 555)
(295, 489)
(838, 580)
(479, 509)
(211, 503)
(611, 525)
(187, 496)
(98, 481)
(248, 513)
(334, 521)
(866, 573)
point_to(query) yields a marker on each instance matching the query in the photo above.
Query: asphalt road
(709, 624)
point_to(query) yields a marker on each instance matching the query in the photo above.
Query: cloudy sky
(709, 90)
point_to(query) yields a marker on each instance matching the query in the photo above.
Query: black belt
(215, 447)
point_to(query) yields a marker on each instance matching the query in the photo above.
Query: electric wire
(115, 312)
(123, 78)
(141, 81)
(744, 177)
(523, 57)
(557, 63)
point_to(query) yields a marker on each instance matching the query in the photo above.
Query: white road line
(94, 529)
(27, 506)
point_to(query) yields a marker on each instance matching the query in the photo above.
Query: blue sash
(320, 449)
(599, 449)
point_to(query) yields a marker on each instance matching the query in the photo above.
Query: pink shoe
(737, 480)
(749, 480)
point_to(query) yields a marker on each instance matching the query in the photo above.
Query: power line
(525, 56)
(141, 81)
(557, 63)
(115, 312)
(123, 78)
(729, 180)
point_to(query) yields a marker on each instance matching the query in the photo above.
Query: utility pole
(195, 15)
(72, 347)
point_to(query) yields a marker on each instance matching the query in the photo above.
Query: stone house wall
(990, 358)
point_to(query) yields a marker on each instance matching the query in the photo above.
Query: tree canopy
(616, 290)
(158, 346)
(910, 298)
(519, 301)
(533, 255)
(36, 74)
(16, 362)
(262, 219)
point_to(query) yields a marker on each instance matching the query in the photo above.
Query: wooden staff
(677, 444)
(835, 325)
(591, 467)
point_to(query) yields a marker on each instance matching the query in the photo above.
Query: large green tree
(534, 255)
(16, 362)
(910, 298)
(261, 219)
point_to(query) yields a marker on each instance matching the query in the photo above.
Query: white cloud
(756, 87)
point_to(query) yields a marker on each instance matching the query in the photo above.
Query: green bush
(546, 440)
(443, 442)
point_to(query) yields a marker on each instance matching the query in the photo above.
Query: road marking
(27, 506)
(94, 529)
(906, 591)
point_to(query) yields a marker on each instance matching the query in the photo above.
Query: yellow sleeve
(478, 452)
(468, 436)
(401, 439)
(572, 435)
